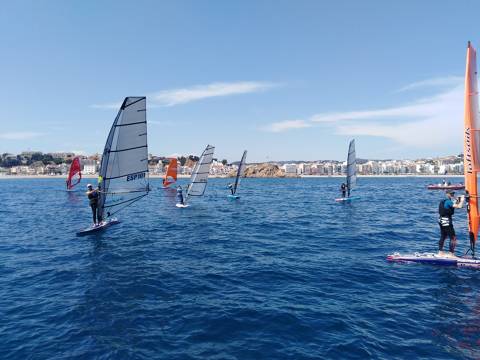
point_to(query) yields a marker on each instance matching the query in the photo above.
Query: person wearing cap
(92, 195)
(230, 186)
(446, 208)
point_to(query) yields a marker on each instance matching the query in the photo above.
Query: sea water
(284, 272)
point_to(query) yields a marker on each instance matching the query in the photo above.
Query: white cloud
(435, 82)
(287, 125)
(431, 121)
(21, 135)
(198, 92)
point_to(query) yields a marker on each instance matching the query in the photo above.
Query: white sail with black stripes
(198, 180)
(351, 166)
(240, 171)
(123, 177)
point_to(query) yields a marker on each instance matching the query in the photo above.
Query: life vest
(443, 211)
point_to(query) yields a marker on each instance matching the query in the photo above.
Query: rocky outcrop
(264, 171)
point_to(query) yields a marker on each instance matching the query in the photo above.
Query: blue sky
(282, 79)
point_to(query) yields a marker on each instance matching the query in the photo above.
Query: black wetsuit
(446, 225)
(93, 199)
(343, 189)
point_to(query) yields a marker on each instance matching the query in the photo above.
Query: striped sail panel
(198, 180)
(240, 171)
(471, 144)
(124, 168)
(351, 166)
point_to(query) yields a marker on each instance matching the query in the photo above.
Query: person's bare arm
(459, 203)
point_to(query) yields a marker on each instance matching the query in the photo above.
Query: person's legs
(94, 213)
(453, 239)
(443, 236)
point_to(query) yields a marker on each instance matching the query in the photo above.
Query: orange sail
(471, 151)
(171, 173)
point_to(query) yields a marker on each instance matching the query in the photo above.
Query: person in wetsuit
(92, 195)
(446, 209)
(230, 186)
(343, 189)
(180, 195)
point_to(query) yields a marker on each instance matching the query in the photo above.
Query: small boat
(123, 177)
(458, 186)
(471, 159)
(74, 174)
(351, 173)
(171, 174)
(240, 173)
(198, 180)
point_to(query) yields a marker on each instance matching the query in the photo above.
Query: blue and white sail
(240, 171)
(123, 177)
(198, 180)
(351, 167)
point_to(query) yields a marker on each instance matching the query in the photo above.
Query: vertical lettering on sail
(471, 145)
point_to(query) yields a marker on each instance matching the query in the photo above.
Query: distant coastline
(155, 176)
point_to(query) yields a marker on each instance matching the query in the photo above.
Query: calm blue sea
(284, 273)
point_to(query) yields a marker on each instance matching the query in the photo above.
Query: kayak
(443, 259)
(446, 187)
(97, 228)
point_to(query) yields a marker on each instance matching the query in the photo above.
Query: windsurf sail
(123, 177)
(240, 171)
(198, 180)
(351, 167)
(471, 151)
(171, 173)
(74, 174)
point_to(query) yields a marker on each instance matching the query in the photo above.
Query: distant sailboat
(123, 177)
(240, 173)
(471, 160)
(351, 172)
(198, 180)
(74, 174)
(171, 173)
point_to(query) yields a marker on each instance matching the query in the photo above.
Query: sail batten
(124, 166)
(471, 144)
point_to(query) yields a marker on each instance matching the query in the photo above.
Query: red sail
(75, 173)
(171, 173)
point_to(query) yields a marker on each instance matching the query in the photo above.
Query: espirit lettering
(136, 176)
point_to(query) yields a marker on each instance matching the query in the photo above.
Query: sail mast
(471, 151)
(240, 171)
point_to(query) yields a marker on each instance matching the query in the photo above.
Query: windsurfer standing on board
(230, 186)
(92, 195)
(343, 189)
(446, 208)
(180, 195)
